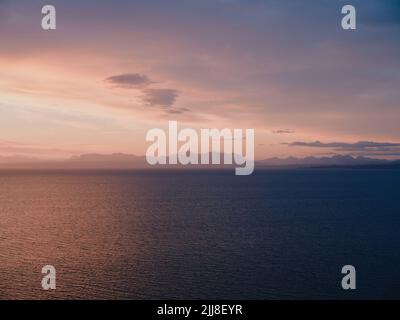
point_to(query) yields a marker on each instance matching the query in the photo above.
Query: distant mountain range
(127, 161)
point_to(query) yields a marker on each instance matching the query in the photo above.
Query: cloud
(160, 97)
(360, 147)
(156, 97)
(285, 131)
(129, 80)
(177, 110)
(344, 145)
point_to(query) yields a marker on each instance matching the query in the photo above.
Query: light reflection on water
(275, 234)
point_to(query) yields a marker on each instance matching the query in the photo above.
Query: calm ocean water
(275, 234)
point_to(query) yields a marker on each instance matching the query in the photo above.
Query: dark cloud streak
(129, 80)
(155, 97)
(160, 97)
(284, 131)
(359, 148)
(344, 145)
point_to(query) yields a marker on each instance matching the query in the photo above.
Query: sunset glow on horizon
(110, 72)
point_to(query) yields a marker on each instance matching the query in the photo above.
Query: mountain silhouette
(129, 161)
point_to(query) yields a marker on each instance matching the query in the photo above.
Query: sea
(276, 234)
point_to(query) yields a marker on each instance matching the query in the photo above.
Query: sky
(112, 70)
